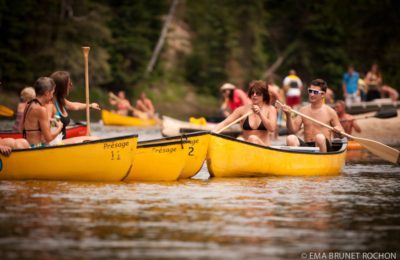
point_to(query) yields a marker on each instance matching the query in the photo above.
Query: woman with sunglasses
(258, 125)
(314, 134)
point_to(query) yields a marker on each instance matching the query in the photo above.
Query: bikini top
(246, 125)
(64, 119)
(25, 113)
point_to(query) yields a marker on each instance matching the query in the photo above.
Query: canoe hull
(197, 151)
(72, 131)
(233, 158)
(161, 161)
(101, 160)
(110, 118)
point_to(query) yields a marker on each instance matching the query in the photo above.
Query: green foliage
(230, 40)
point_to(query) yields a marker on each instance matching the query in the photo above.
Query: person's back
(373, 80)
(292, 86)
(36, 122)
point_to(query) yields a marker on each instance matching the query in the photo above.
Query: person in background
(27, 94)
(350, 86)
(373, 80)
(347, 120)
(314, 134)
(362, 87)
(292, 86)
(121, 102)
(329, 96)
(60, 104)
(257, 126)
(145, 105)
(9, 144)
(233, 98)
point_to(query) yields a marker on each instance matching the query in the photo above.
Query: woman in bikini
(256, 126)
(36, 124)
(60, 104)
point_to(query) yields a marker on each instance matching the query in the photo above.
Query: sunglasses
(256, 93)
(314, 91)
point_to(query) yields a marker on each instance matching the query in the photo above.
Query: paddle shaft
(234, 122)
(385, 152)
(86, 60)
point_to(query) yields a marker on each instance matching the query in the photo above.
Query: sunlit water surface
(239, 218)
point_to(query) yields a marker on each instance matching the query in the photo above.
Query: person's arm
(335, 121)
(45, 126)
(344, 87)
(79, 106)
(292, 124)
(150, 107)
(232, 117)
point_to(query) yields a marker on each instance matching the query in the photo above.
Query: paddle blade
(386, 113)
(5, 111)
(383, 151)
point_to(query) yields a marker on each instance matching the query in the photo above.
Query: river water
(355, 213)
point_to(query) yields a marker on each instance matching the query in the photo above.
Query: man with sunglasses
(314, 134)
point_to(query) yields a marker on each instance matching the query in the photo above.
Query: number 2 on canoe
(191, 150)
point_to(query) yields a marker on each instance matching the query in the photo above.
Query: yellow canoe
(101, 160)
(197, 151)
(110, 118)
(228, 157)
(159, 161)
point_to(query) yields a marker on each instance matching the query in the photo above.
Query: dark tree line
(229, 40)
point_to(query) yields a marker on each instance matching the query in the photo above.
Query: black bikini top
(26, 112)
(246, 125)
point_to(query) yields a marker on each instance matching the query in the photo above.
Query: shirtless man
(346, 120)
(314, 134)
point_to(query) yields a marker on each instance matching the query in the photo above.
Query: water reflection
(229, 218)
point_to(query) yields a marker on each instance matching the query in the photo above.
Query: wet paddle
(234, 122)
(385, 152)
(86, 61)
(5, 111)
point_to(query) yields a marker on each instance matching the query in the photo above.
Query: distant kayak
(110, 118)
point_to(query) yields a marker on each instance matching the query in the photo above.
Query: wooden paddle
(385, 152)
(234, 122)
(86, 61)
(139, 113)
(5, 111)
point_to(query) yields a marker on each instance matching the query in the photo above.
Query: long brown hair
(61, 78)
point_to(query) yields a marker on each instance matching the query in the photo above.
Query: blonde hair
(27, 94)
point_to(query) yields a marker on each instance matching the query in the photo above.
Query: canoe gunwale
(341, 150)
(77, 144)
(183, 135)
(162, 143)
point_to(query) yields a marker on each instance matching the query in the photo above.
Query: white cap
(227, 86)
